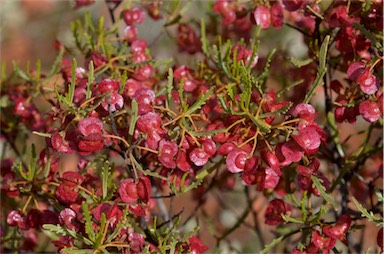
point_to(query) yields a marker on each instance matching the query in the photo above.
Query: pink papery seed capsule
(128, 191)
(130, 33)
(341, 227)
(262, 17)
(277, 15)
(292, 5)
(113, 102)
(90, 125)
(60, 144)
(368, 82)
(199, 157)
(143, 73)
(133, 16)
(108, 85)
(139, 46)
(369, 110)
(236, 160)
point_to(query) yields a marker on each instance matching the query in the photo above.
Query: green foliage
(322, 69)
(365, 213)
(317, 183)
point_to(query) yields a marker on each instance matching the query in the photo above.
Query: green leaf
(288, 218)
(368, 34)
(4, 101)
(321, 188)
(204, 41)
(19, 169)
(206, 171)
(32, 166)
(367, 5)
(121, 224)
(57, 229)
(200, 102)
(123, 82)
(323, 53)
(134, 117)
(169, 87)
(379, 194)
(269, 246)
(281, 111)
(72, 86)
(262, 125)
(181, 94)
(100, 234)
(147, 171)
(300, 63)
(88, 222)
(265, 73)
(91, 78)
(230, 91)
(245, 97)
(21, 73)
(57, 63)
(318, 15)
(177, 12)
(322, 69)
(105, 178)
(335, 133)
(254, 54)
(289, 87)
(38, 70)
(3, 72)
(303, 208)
(88, 24)
(206, 133)
(48, 164)
(72, 250)
(183, 181)
(364, 212)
